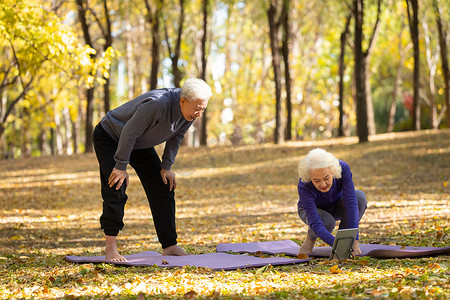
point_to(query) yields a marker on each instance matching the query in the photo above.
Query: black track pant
(147, 165)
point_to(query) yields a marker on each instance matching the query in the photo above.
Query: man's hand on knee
(118, 176)
(169, 176)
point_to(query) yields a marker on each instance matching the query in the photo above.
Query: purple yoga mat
(289, 247)
(387, 251)
(215, 261)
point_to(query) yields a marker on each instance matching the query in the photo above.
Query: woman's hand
(356, 249)
(118, 176)
(169, 175)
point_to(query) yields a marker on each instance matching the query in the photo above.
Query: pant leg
(326, 217)
(114, 200)
(147, 164)
(340, 212)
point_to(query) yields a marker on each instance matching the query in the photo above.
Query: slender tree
(444, 58)
(287, 73)
(343, 42)
(205, 8)
(107, 35)
(432, 62)
(103, 22)
(153, 18)
(274, 34)
(82, 12)
(174, 54)
(412, 7)
(362, 85)
(397, 80)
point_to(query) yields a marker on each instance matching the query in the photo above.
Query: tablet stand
(342, 247)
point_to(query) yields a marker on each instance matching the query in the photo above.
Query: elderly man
(127, 135)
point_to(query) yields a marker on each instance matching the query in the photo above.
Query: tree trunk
(89, 91)
(203, 132)
(58, 135)
(413, 19)
(370, 113)
(364, 111)
(25, 133)
(397, 82)
(287, 75)
(89, 119)
(344, 34)
(274, 45)
(432, 62)
(175, 54)
(362, 128)
(68, 137)
(153, 20)
(75, 133)
(107, 34)
(444, 59)
(130, 62)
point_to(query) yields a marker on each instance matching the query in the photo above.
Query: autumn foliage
(50, 208)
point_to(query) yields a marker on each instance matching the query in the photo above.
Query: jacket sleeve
(307, 198)
(146, 116)
(172, 146)
(349, 196)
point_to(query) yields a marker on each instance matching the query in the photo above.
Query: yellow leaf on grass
(190, 294)
(363, 262)
(16, 237)
(335, 270)
(302, 256)
(445, 184)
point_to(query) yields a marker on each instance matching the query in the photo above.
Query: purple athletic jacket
(310, 199)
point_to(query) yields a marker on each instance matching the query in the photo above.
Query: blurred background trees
(280, 69)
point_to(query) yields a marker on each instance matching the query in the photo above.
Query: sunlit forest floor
(49, 208)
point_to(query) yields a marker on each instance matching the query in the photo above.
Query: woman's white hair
(318, 159)
(194, 89)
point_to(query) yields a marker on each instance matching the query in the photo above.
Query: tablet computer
(343, 243)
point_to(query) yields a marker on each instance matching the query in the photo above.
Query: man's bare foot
(308, 245)
(111, 254)
(174, 250)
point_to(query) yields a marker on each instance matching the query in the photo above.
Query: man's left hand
(169, 175)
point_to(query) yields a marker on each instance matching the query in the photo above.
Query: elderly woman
(326, 194)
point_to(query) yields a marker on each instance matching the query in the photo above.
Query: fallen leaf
(302, 256)
(363, 262)
(190, 294)
(335, 270)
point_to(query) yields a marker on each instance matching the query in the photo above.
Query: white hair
(194, 89)
(318, 159)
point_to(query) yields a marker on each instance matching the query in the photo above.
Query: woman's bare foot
(356, 249)
(308, 245)
(111, 254)
(174, 250)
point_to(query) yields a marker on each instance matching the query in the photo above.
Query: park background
(287, 76)
(280, 70)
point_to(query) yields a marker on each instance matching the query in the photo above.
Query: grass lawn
(49, 208)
